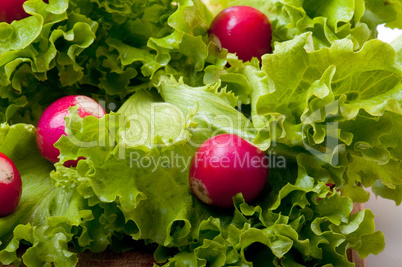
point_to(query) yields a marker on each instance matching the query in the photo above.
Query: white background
(388, 216)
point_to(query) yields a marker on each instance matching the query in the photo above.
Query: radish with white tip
(51, 125)
(10, 186)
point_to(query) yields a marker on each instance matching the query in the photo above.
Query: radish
(10, 186)
(12, 10)
(225, 165)
(243, 30)
(51, 125)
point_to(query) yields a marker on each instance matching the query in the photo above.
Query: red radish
(225, 165)
(12, 10)
(10, 186)
(51, 125)
(243, 30)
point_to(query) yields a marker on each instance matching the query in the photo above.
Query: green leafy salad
(325, 105)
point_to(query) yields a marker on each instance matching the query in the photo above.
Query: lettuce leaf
(45, 215)
(104, 49)
(325, 106)
(331, 98)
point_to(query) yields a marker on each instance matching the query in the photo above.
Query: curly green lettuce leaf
(49, 219)
(26, 59)
(380, 12)
(323, 100)
(45, 214)
(185, 49)
(137, 38)
(105, 49)
(153, 123)
(211, 105)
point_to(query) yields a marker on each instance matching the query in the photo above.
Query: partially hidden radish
(225, 165)
(243, 30)
(12, 10)
(10, 186)
(51, 125)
